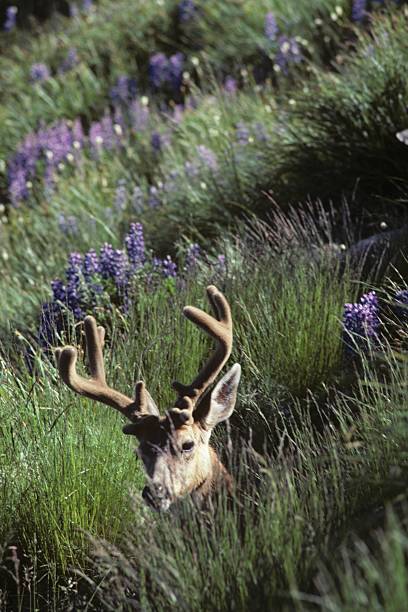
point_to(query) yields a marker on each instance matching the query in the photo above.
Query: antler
(219, 328)
(96, 387)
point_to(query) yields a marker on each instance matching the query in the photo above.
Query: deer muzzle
(157, 497)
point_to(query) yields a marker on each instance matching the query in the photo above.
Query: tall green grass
(291, 511)
(70, 471)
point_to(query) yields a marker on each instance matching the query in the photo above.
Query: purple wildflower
(175, 71)
(11, 16)
(230, 85)
(358, 10)
(124, 90)
(91, 264)
(139, 115)
(18, 189)
(69, 62)
(361, 321)
(166, 71)
(186, 10)
(288, 53)
(135, 245)
(169, 267)
(58, 290)
(39, 73)
(192, 257)
(158, 65)
(87, 5)
(156, 142)
(271, 27)
(221, 264)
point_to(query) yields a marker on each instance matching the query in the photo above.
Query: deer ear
(223, 398)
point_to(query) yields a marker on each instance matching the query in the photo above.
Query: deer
(174, 448)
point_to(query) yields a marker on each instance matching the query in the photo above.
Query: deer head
(174, 448)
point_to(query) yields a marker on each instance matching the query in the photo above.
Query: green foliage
(289, 511)
(330, 434)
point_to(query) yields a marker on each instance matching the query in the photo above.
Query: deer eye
(187, 447)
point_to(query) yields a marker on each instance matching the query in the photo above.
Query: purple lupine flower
(113, 265)
(102, 134)
(169, 267)
(124, 90)
(68, 224)
(158, 66)
(271, 27)
(186, 10)
(361, 321)
(119, 267)
(135, 245)
(159, 141)
(70, 61)
(96, 135)
(121, 196)
(192, 257)
(156, 142)
(178, 113)
(58, 290)
(242, 133)
(106, 261)
(18, 189)
(91, 264)
(109, 136)
(288, 53)
(56, 142)
(207, 157)
(230, 85)
(139, 115)
(39, 73)
(221, 264)
(175, 71)
(87, 5)
(358, 10)
(11, 16)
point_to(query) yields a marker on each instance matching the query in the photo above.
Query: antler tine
(96, 388)
(219, 328)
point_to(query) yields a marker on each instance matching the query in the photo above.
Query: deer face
(176, 455)
(174, 448)
(176, 462)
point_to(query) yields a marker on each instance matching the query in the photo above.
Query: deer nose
(159, 490)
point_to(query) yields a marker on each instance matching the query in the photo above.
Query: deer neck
(216, 477)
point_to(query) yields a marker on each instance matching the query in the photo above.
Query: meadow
(147, 150)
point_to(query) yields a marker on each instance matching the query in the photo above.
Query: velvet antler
(96, 387)
(219, 328)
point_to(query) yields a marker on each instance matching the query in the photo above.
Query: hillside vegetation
(147, 150)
